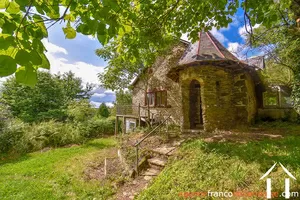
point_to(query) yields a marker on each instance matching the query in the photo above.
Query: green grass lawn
(228, 166)
(55, 174)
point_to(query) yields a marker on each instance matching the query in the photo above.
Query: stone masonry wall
(159, 81)
(244, 98)
(217, 104)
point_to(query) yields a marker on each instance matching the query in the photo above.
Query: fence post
(105, 164)
(137, 160)
(167, 125)
(139, 114)
(116, 126)
(152, 119)
(124, 125)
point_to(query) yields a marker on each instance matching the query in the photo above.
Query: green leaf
(101, 29)
(8, 65)
(84, 29)
(22, 57)
(113, 4)
(103, 39)
(9, 26)
(39, 22)
(69, 32)
(3, 4)
(26, 75)
(38, 45)
(6, 41)
(35, 58)
(13, 8)
(69, 17)
(127, 28)
(2, 22)
(45, 62)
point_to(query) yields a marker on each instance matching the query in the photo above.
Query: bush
(19, 137)
(103, 111)
(80, 111)
(11, 137)
(98, 127)
(52, 134)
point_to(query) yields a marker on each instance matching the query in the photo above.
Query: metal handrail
(139, 142)
(143, 139)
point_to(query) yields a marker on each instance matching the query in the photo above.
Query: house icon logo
(286, 185)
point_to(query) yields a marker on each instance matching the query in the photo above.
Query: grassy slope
(55, 174)
(224, 166)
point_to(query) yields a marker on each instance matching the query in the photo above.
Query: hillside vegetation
(228, 166)
(55, 174)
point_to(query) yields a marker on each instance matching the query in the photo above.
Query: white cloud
(185, 37)
(242, 31)
(109, 92)
(218, 35)
(91, 37)
(52, 48)
(99, 95)
(235, 23)
(2, 80)
(87, 72)
(236, 49)
(233, 46)
(97, 104)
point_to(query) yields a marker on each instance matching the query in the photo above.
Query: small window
(270, 99)
(150, 99)
(157, 98)
(161, 98)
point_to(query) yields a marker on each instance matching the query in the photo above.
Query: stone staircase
(158, 160)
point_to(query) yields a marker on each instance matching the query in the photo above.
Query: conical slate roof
(207, 48)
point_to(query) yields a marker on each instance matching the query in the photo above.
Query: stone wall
(244, 98)
(216, 97)
(286, 114)
(159, 81)
(228, 99)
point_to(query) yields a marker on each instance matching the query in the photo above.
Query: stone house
(201, 85)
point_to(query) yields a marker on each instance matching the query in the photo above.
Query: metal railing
(136, 145)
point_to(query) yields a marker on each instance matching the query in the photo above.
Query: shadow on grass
(5, 158)
(266, 152)
(96, 144)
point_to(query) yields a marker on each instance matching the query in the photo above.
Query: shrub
(20, 137)
(11, 137)
(98, 127)
(103, 110)
(52, 134)
(80, 111)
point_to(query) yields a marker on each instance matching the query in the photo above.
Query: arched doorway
(196, 118)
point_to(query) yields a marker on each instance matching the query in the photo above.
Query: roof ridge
(199, 43)
(214, 44)
(218, 45)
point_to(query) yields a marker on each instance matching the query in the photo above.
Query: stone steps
(151, 172)
(166, 151)
(159, 162)
(160, 159)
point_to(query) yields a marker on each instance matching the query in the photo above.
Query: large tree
(47, 100)
(135, 26)
(280, 44)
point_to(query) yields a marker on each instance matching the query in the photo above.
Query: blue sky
(78, 55)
